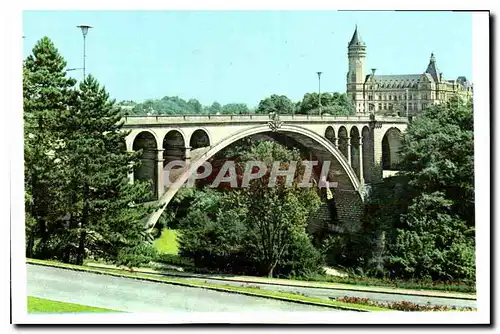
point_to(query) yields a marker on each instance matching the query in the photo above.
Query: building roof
(410, 80)
(401, 77)
(356, 38)
(396, 81)
(464, 82)
(432, 68)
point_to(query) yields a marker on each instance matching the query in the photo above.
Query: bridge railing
(169, 119)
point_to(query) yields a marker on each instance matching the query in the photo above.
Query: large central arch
(349, 181)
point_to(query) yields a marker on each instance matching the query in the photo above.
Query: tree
(435, 238)
(47, 93)
(195, 106)
(214, 109)
(256, 230)
(275, 217)
(235, 109)
(104, 216)
(436, 244)
(276, 104)
(334, 104)
(438, 155)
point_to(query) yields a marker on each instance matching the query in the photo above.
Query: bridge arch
(391, 146)
(330, 134)
(174, 146)
(147, 170)
(342, 141)
(348, 182)
(199, 138)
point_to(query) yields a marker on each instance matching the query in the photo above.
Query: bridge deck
(253, 118)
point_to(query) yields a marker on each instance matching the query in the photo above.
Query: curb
(402, 293)
(94, 271)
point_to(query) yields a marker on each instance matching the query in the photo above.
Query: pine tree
(47, 93)
(104, 216)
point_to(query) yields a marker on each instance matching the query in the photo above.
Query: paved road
(327, 293)
(129, 295)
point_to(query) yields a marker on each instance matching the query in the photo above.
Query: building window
(379, 106)
(370, 97)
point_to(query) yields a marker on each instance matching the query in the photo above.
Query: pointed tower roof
(432, 68)
(356, 38)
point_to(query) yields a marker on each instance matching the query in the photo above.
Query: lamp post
(85, 29)
(319, 90)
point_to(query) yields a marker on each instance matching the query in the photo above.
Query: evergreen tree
(47, 93)
(102, 203)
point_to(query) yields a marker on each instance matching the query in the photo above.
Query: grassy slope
(39, 305)
(167, 242)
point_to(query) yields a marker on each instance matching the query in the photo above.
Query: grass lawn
(167, 242)
(40, 305)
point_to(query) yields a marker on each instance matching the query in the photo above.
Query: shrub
(401, 305)
(302, 259)
(137, 255)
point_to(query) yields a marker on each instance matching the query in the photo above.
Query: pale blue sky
(245, 56)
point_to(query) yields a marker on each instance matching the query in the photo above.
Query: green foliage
(41, 305)
(434, 244)
(333, 104)
(47, 93)
(137, 255)
(174, 105)
(413, 284)
(402, 305)
(438, 155)
(176, 260)
(78, 199)
(276, 104)
(237, 231)
(167, 242)
(235, 109)
(303, 259)
(436, 237)
(102, 203)
(421, 224)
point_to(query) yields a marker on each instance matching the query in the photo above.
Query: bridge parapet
(252, 118)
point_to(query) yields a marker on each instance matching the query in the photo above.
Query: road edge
(321, 285)
(200, 286)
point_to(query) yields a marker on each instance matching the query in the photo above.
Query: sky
(245, 56)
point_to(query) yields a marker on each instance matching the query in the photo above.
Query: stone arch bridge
(361, 149)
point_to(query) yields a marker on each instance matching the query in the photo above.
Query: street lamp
(85, 29)
(319, 90)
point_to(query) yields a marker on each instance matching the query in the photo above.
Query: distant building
(398, 94)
